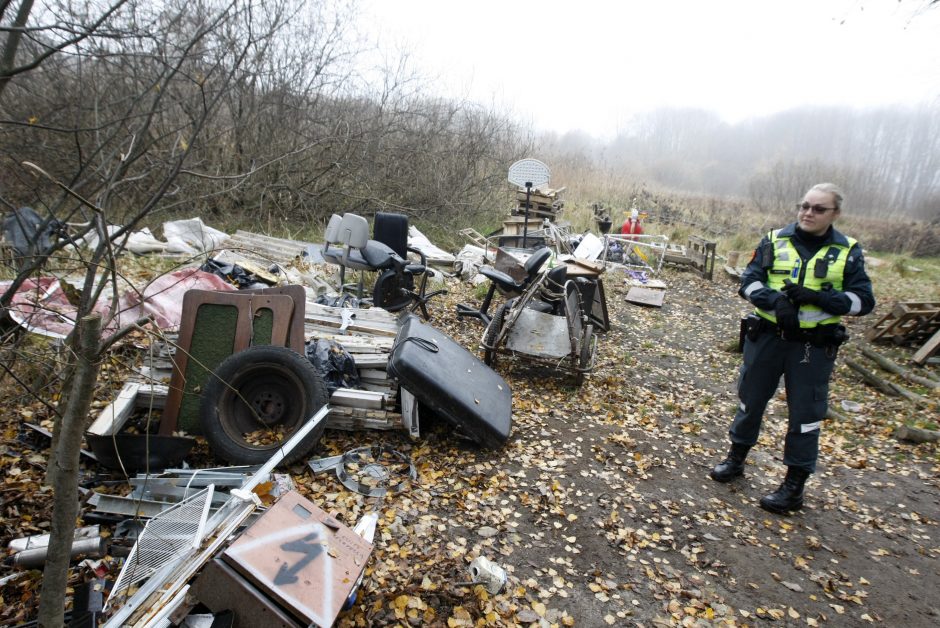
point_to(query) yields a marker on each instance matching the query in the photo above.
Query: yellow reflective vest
(823, 270)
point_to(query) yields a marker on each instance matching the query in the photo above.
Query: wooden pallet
(908, 323)
(702, 254)
(699, 254)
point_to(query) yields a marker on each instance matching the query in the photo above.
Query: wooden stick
(890, 366)
(916, 434)
(871, 378)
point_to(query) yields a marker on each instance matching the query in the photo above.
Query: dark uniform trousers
(806, 369)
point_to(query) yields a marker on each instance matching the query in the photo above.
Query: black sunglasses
(816, 209)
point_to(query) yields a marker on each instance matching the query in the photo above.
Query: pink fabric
(163, 298)
(41, 306)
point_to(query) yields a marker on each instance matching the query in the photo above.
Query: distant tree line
(888, 159)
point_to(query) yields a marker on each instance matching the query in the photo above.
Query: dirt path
(601, 510)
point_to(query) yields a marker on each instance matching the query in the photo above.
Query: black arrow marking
(306, 546)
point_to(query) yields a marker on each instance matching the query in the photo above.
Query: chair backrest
(353, 231)
(392, 231)
(535, 262)
(331, 235)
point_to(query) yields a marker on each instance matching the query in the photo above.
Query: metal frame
(656, 244)
(576, 325)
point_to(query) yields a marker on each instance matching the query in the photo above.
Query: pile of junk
(258, 348)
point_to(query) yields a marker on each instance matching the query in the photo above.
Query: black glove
(788, 319)
(801, 295)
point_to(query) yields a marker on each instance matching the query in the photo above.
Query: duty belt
(821, 335)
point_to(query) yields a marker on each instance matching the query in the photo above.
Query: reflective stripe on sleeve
(751, 288)
(856, 303)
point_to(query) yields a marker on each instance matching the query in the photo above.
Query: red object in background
(631, 226)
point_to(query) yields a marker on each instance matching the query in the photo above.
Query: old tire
(254, 402)
(492, 334)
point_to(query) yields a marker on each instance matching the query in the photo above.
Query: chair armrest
(500, 278)
(424, 258)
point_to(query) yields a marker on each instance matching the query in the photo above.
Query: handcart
(546, 324)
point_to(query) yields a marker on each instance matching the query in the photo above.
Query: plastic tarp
(470, 258)
(334, 363)
(191, 236)
(42, 305)
(137, 242)
(419, 241)
(23, 231)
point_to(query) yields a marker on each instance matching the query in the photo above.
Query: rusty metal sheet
(646, 296)
(301, 556)
(540, 334)
(221, 588)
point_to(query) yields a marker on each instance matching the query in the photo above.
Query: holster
(828, 335)
(753, 325)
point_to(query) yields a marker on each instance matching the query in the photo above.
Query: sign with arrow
(302, 557)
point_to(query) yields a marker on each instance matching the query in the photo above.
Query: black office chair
(505, 284)
(395, 287)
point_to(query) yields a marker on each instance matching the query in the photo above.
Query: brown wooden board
(930, 347)
(646, 296)
(583, 268)
(301, 556)
(295, 331)
(215, 325)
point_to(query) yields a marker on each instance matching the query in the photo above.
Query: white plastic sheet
(191, 236)
(434, 254)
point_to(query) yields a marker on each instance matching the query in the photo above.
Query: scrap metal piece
(371, 471)
(127, 506)
(42, 540)
(346, 315)
(165, 538)
(324, 464)
(36, 557)
(302, 557)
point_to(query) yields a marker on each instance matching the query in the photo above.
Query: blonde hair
(833, 189)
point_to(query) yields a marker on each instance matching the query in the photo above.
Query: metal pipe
(31, 558)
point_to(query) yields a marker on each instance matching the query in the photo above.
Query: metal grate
(165, 539)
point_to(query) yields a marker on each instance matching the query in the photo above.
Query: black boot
(732, 466)
(790, 494)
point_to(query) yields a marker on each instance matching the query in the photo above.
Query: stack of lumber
(367, 335)
(542, 203)
(264, 249)
(908, 323)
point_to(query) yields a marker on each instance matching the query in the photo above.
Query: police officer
(802, 279)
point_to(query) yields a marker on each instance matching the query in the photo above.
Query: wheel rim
(262, 406)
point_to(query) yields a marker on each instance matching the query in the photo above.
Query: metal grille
(529, 171)
(165, 539)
